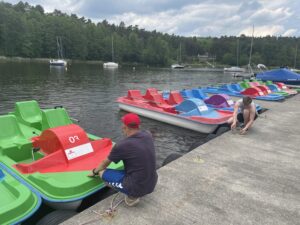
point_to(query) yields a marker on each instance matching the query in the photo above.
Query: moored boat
(217, 101)
(283, 87)
(238, 91)
(110, 65)
(177, 66)
(283, 75)
(234, 69)
(18, 202)
(51, 154)
(58, 62)
(266, 89)
(191, 114)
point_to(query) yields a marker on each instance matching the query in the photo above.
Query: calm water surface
(88, 93)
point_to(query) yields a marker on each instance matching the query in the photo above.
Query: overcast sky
(189, 17)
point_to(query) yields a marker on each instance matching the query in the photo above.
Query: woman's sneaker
(131, 201)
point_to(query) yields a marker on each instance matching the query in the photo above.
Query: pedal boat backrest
(175, 98)
(186, 94)
(29, 113)
(194, 107)
(10, 132)
(134, 94)
(198, 93)
(55, 117)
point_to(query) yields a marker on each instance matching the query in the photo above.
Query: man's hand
(243, 131)
(233, 125)
(93, 173)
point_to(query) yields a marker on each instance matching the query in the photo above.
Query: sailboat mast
(251, 46)
(237, 52)
(295, 59)
(180, 52)
(57, 43)
(250, 55)
(112, 48)
(61, 48)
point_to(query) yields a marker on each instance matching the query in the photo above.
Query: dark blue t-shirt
(138, 155)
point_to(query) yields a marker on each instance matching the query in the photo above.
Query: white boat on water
(177, 66)
(295, 70)
(112, 64)
(59, 61)
(242, 72)
(235, 69)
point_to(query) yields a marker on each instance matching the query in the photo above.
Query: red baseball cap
(131, 120)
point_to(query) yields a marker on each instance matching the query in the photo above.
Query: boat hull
(234, 70)
(170, 119)
(110, 65)
(64, 205)
(60, 63)
(177, 66)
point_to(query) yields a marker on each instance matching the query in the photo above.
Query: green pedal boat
(18, 202)
(51, 154)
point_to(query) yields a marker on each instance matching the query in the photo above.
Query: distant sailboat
(178, 65)
(112, 64)
(249, 73)
(295, 62)
(59, 61)
(236, 68)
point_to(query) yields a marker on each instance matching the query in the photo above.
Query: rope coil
(110, 212)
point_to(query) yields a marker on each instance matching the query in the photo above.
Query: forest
(27, 31)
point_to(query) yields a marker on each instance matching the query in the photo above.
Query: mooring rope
(110, 212)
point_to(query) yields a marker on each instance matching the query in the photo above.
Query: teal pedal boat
(18, 202)
(51, 154)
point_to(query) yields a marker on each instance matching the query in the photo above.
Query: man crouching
(137, 152)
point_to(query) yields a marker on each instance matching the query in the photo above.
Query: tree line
(27, 31)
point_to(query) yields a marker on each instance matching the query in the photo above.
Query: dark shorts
(115, 179)
(240, 117)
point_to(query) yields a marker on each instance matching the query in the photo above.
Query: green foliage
(28, 31)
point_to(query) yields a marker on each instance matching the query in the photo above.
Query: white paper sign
(202, 108)
(78, 151)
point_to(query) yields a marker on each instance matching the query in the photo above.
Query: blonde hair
(247, 100)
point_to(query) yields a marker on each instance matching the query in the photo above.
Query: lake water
(88, 92)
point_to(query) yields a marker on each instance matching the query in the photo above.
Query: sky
(200, 18)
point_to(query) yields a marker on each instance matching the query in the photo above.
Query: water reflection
(58, 70)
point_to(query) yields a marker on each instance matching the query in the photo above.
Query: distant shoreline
(45, 60)
(4, 59)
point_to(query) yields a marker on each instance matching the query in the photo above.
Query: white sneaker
(131, 201)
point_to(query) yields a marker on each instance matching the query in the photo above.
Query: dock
(232, 179)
